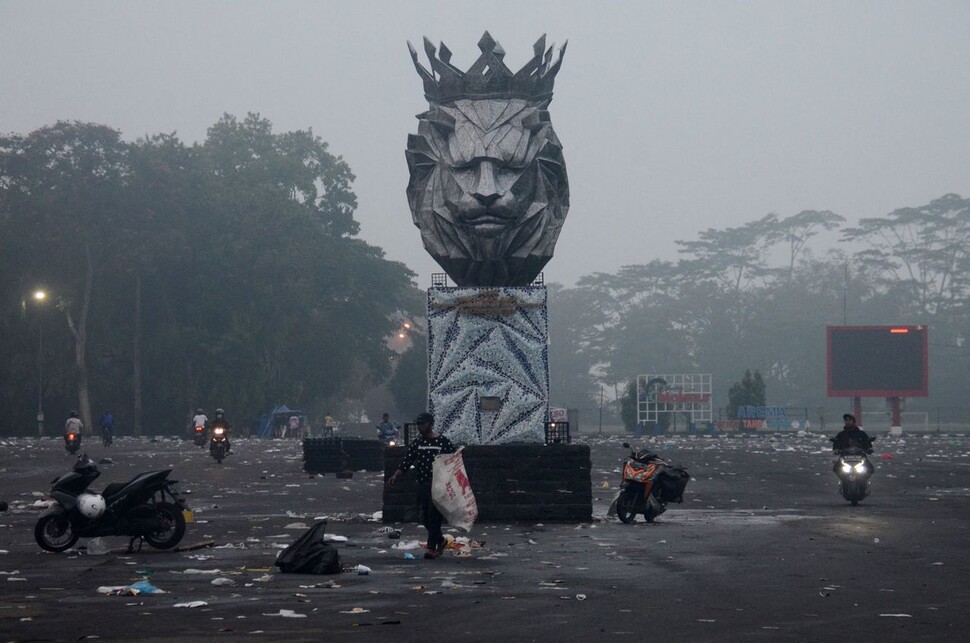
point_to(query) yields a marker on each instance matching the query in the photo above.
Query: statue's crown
(488, 77)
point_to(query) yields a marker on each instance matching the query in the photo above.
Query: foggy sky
(674, 117)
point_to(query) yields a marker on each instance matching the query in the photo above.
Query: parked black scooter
(145, 507)
(649, 482)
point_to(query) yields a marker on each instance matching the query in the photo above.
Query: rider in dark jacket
(220, 419)
(851, 436)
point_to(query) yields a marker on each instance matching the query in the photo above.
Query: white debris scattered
(287, 614)
(407, 544)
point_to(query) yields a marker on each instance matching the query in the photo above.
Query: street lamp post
(39, 297)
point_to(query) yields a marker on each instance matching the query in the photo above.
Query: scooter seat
(113, 488)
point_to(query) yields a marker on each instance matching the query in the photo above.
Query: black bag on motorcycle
(310, 554)
(672, 483)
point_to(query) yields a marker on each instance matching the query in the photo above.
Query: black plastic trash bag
(310, 554)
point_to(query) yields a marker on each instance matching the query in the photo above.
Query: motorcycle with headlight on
(146, 507)
(854, 470)
(219, 443)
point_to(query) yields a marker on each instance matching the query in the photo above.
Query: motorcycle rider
(200, 419)
(107, 427)
(220, 419)
(851, 436)
(386, 430)
(72, 425)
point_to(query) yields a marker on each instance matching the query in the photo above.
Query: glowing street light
(40, 297)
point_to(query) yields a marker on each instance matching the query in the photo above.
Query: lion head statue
(488, 186)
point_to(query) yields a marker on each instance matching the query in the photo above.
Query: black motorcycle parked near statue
(147, 507)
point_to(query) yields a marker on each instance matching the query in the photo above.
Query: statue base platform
(512, 483)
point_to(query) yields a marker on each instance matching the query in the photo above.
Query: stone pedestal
(329, 455)
(512, 483)
(488, 364)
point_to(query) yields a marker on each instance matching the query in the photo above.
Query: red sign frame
(920, 391)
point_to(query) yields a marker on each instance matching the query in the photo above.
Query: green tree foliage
(923, 251)
(226, 273)
(628, 405)
(409, 383)
(749, 391)
(61, 197)
(725, 301)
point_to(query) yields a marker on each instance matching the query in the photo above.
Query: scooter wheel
(55, 533)
(171, 526)
(626, 507)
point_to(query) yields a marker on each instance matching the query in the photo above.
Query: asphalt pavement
(763, 548)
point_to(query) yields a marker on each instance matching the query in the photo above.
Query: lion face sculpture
(488, 190)
(488, 186)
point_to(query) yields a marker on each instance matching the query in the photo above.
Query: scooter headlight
(391, 443)
(860, 468)
(846, 467)
(218, 430)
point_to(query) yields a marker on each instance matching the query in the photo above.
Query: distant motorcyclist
(200, 419)
(107, 424)
(851, 436)
(387, 430)
(220, 419)
(73, 425)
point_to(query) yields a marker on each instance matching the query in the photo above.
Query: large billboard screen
(877, 361)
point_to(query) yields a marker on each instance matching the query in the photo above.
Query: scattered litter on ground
(135, 589)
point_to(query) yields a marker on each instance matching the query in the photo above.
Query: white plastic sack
(451, 491)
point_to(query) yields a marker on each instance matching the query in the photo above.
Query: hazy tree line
(758, 297)
(225, 273)
(228, 273)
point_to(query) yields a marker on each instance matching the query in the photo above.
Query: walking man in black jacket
(421, 454)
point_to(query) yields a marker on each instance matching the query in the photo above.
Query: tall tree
(65, 184)
(798, 229)
(734, 257)
(749, 391)
(923, 250)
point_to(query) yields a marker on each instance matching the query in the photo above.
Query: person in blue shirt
(386, 430)
(107, 424)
